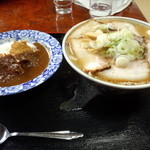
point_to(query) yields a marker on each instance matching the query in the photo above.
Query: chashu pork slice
(148, 50)
(89, 62)
(135, 71)
(89, 26)
(123, 25)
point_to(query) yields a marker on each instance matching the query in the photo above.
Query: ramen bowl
(124, 78)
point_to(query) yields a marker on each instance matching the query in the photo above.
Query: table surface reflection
(40, 15)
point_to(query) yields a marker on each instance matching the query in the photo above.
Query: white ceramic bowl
(97, 81)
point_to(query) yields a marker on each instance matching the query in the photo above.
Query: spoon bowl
(4, 133)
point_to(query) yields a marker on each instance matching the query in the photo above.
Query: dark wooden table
(109, 121)
(40, 15)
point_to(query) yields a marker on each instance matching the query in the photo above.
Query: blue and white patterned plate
(51, 44)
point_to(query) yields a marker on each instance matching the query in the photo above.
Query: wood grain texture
(40, 15)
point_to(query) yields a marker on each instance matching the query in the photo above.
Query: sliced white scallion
(122, 61)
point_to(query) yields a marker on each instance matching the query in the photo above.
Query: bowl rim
(97, 81)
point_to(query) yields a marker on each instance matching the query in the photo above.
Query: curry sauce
(27, 66)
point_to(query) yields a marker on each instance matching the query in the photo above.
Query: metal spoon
(65, 135)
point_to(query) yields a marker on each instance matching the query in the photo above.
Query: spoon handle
(65, 135)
